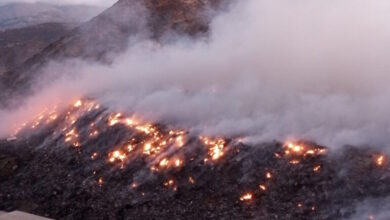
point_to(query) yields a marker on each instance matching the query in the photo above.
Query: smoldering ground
(314, 70)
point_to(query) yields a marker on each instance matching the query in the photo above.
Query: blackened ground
(59, 182)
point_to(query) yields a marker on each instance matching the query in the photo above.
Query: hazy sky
(91, 2)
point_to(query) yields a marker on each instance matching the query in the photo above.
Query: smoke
(372, 209)
(277, 69)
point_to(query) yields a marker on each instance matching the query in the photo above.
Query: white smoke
(372, 209)
(271, 69)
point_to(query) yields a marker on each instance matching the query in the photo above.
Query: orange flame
(246, 197)
(380, 160)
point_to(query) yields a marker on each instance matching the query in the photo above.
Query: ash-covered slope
(86, 162)
(110, 31)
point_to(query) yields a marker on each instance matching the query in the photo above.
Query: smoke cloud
(279, 69)
(369, 209)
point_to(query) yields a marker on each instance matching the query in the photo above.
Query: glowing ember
(78, 103)
(100, 181)
(130, 148)
(117, 156)
(164, 162)
(94, 156)
(180, 141)
(147, 148)
(130, 122)
(161, 148)
(294, 162)
(216, 147)
(311, 152)
(169, 183)
(147, 129)
(178, 162)
(296, 149)
(380, 160)
(113, 120)
(94, 133)
(246, 197)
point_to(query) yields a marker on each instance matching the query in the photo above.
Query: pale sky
(61, 2)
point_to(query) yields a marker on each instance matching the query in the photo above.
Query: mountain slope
(18, 15)
(109, 33)
(18, 45)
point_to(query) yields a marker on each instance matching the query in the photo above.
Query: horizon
(99, 3)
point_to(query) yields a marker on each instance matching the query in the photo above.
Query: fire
(164, 162)
(117, 156)
(295, 148)
(113, 120)
(94, 156)
(191, 180)
(94, 133)
(71, 136)
(130, 148)
(170, 183)
(178, 162)
(161, 147)
(380, 160)
(216, 147)
(130, 121)
(147, 129)
(100, 181)
(299, 149)
(246, 197)
(78, 103)
(147, 148)
(180, 141)
(317, 168)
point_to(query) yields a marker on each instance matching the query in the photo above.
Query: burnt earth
(42, 174)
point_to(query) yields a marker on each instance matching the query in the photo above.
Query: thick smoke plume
(279, 69)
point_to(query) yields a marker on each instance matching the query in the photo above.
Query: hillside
(109, 32)
(18, 45)
(19, 15)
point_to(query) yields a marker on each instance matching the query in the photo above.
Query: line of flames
(157, 142)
